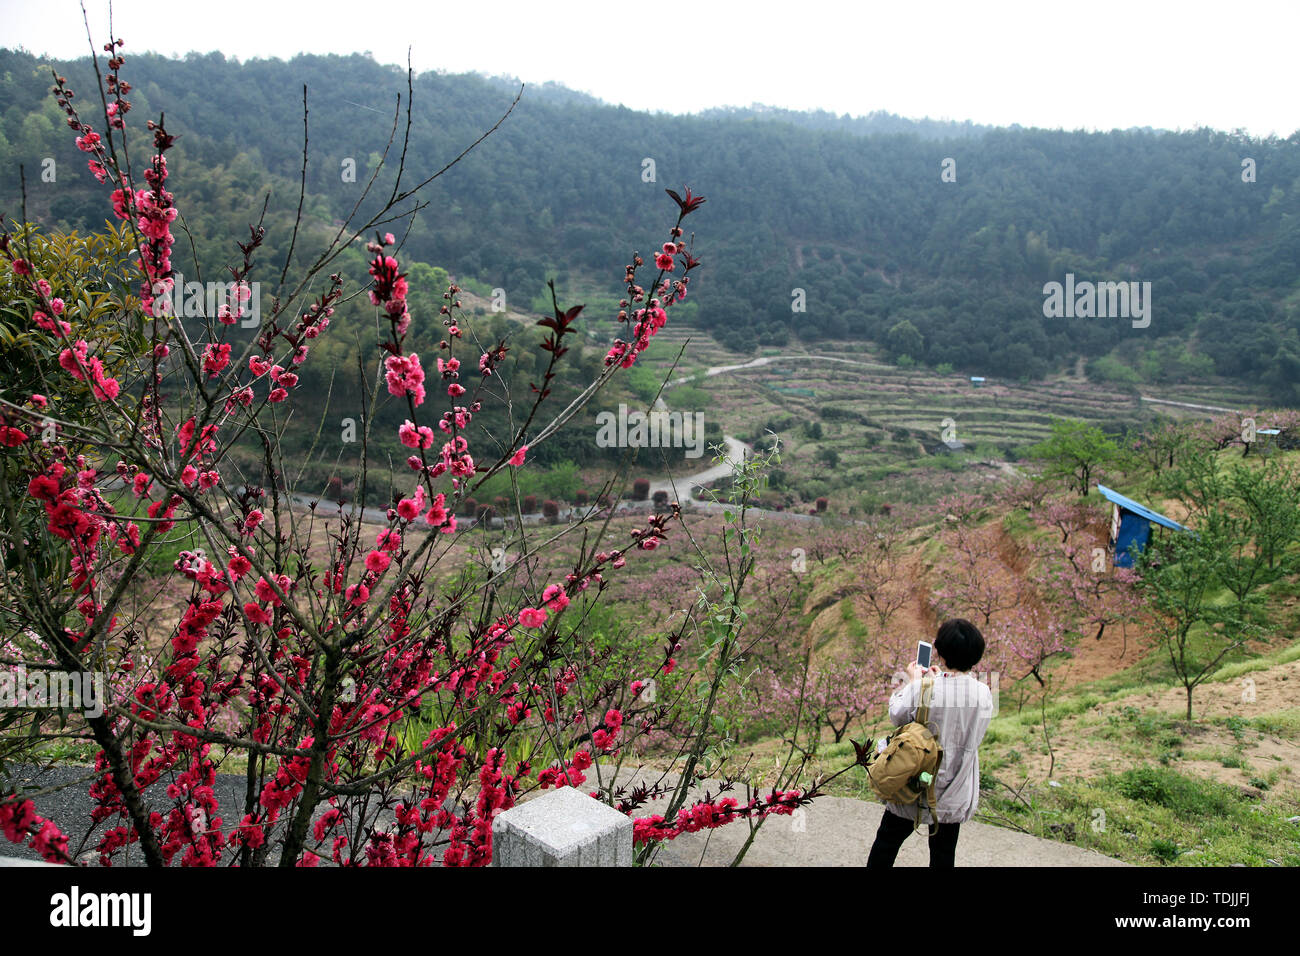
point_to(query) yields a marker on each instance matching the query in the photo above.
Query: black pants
(895, 829)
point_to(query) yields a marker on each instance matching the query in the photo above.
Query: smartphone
(923, 653)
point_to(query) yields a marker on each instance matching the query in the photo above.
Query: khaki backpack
(906, 769)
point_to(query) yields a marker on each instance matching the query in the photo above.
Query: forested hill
(860, 220)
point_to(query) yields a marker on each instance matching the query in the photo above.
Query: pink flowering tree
(1083, 588)
(1026, 638)
(1076, 575)
(973, 579)
(1067, 517)
(830, 693)
(1227, 430)
(1018, 597)
(873, 550)
(1162, 446)
(376, 714)
(727, 642)
(880, 573)
(1030, 637)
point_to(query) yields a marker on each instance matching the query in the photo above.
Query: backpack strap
(927, 692)
(923, 718)
(934, 810)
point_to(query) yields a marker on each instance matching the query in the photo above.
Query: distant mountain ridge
(875, 123)
(932, 239)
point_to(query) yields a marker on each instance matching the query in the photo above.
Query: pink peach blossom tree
(376, 715)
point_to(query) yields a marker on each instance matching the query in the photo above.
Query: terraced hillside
(869, 431)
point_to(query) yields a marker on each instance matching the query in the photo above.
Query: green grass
(1279, 723)
(1153, 816)
(855, 629)
(1239, 668)
(1162, 787)
(1017, 523)
(1147, 815)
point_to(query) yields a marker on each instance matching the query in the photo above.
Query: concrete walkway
(832, 831)
(839, 831)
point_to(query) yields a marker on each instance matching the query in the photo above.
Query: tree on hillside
(1029, 637)
(879, 572)
(905, 339)
(1075, 453)
(1283, 376)
(1258, 500)
(973, 580)
(1267, 496)
(1181, 580)
(1066, 517)
(1087, 600)
(1023, 493)
(832, 692)
(1197, 481)
(1161, 446)
(1243, 565)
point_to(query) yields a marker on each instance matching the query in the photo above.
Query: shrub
(836, 413)
(551, 510)
(1164, 850)
(641, 489)
(1168, 788)
(530, 504)
(690, 399)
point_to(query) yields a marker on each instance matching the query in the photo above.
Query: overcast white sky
(1095, 64)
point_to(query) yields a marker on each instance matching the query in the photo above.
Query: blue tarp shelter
(1130, 526)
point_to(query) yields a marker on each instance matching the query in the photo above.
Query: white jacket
(960, 710)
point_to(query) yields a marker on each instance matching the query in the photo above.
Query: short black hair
(960, 643)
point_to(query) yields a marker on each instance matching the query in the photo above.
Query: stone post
(564, 827)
